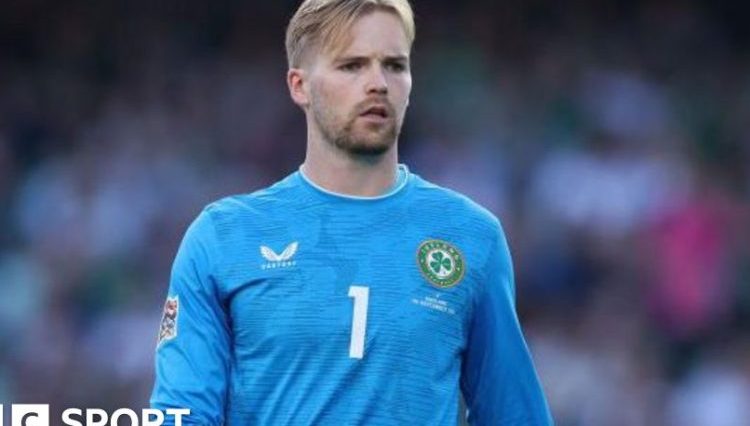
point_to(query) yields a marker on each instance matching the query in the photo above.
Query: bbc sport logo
(28, 415)
(38, 415)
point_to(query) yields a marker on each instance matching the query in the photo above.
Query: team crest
(168, 327)
(441, 263)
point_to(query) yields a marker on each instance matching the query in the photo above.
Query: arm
(193, 355)
(498, 378)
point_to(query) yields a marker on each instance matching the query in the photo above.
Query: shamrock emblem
(440, 261)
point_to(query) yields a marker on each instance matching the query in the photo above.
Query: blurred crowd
(611, 138)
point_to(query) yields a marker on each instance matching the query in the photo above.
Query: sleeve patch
(168, 326)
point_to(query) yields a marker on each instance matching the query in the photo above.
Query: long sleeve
(193, 353)
(498, 378)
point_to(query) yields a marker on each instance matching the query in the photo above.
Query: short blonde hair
(324, 23)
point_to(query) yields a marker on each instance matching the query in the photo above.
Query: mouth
(377, 112)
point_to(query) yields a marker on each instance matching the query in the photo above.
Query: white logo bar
(38, 415)
(30, 415)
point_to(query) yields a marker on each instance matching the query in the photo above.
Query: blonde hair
(324, 23)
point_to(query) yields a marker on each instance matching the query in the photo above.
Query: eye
(350, 66)
(396, 66)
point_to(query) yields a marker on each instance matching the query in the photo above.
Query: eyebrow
(401, 58)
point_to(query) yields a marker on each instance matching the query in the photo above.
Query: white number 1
(361, 297)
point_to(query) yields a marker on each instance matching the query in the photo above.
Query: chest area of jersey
(352, 297)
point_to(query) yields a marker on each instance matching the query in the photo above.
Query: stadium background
(612, 139)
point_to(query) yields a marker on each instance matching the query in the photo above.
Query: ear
(296, 80)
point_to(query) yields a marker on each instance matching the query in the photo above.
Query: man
(352, 292)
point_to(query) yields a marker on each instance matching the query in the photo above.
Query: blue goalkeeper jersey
(297, 306)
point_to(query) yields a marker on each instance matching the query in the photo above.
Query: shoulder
(262, 203)
(231, 224)
(436, 199)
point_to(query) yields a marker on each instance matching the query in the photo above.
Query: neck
(349, 174)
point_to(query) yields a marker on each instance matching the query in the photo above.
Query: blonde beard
(345, 139)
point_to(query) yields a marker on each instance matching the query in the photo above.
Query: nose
(376, 81)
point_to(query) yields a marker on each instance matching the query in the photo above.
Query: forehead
(376, 33)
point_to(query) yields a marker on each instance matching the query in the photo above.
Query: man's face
(358, 95)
